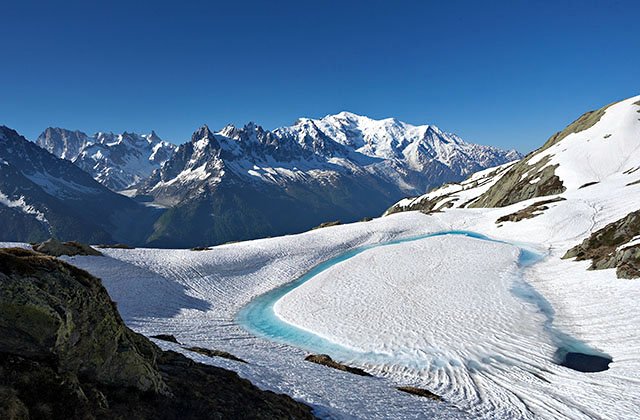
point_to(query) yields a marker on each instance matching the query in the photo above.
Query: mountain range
(42, 196)
(115, 160)
(243, 182)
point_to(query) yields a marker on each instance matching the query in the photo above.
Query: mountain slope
(592, 164)
(42, 195)
(242, 183)
(599, 146)
(116, 161)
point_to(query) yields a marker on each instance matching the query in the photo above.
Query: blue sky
(503, 73)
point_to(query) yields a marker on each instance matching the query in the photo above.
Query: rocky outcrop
(522, 182)
(526, 180)
(606, 248)
(325, 360)
(421, 392)
(55, 248)
(529, 212)
(66, 353)
(328, 224)
(215, 353)
(166, 337)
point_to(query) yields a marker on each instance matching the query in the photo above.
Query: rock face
(53, 311)
(421, 392)
(56, 248)
(613, 246)
(529, 212)
(65, 353)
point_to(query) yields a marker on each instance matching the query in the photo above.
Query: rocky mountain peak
(202, 133)
(63, 143)
(153, 137)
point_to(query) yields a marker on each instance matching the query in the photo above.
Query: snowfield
(460, 316)
(488, 354)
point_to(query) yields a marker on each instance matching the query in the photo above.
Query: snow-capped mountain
(115, 160)
(241, 183)
(417, 147)
(65, 144)
(42, 196)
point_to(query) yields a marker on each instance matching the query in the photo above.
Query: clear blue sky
(502, 73)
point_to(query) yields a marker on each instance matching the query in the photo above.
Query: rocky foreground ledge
(66, 353)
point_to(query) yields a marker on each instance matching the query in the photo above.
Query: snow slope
(506, 373)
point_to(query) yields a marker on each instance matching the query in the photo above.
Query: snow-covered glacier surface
(457, 315)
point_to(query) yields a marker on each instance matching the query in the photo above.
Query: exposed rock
(325, 360)
(529, 212)
(421, 392)
(166, 337)
(115, 246)
(588, 184)
(56, 248)
(605, 247)
(446, 197)
(524, 180)
(327, 224)
(200, 248)
(55, 312)
(215, 353)
(66, 354)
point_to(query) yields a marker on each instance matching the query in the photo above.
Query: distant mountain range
(42, 196)
(115, 160)
(240, 183)
(234, 184)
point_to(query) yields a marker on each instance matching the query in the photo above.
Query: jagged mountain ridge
(248, 182)
(261, 182)
(115, 160)
(42, 196)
